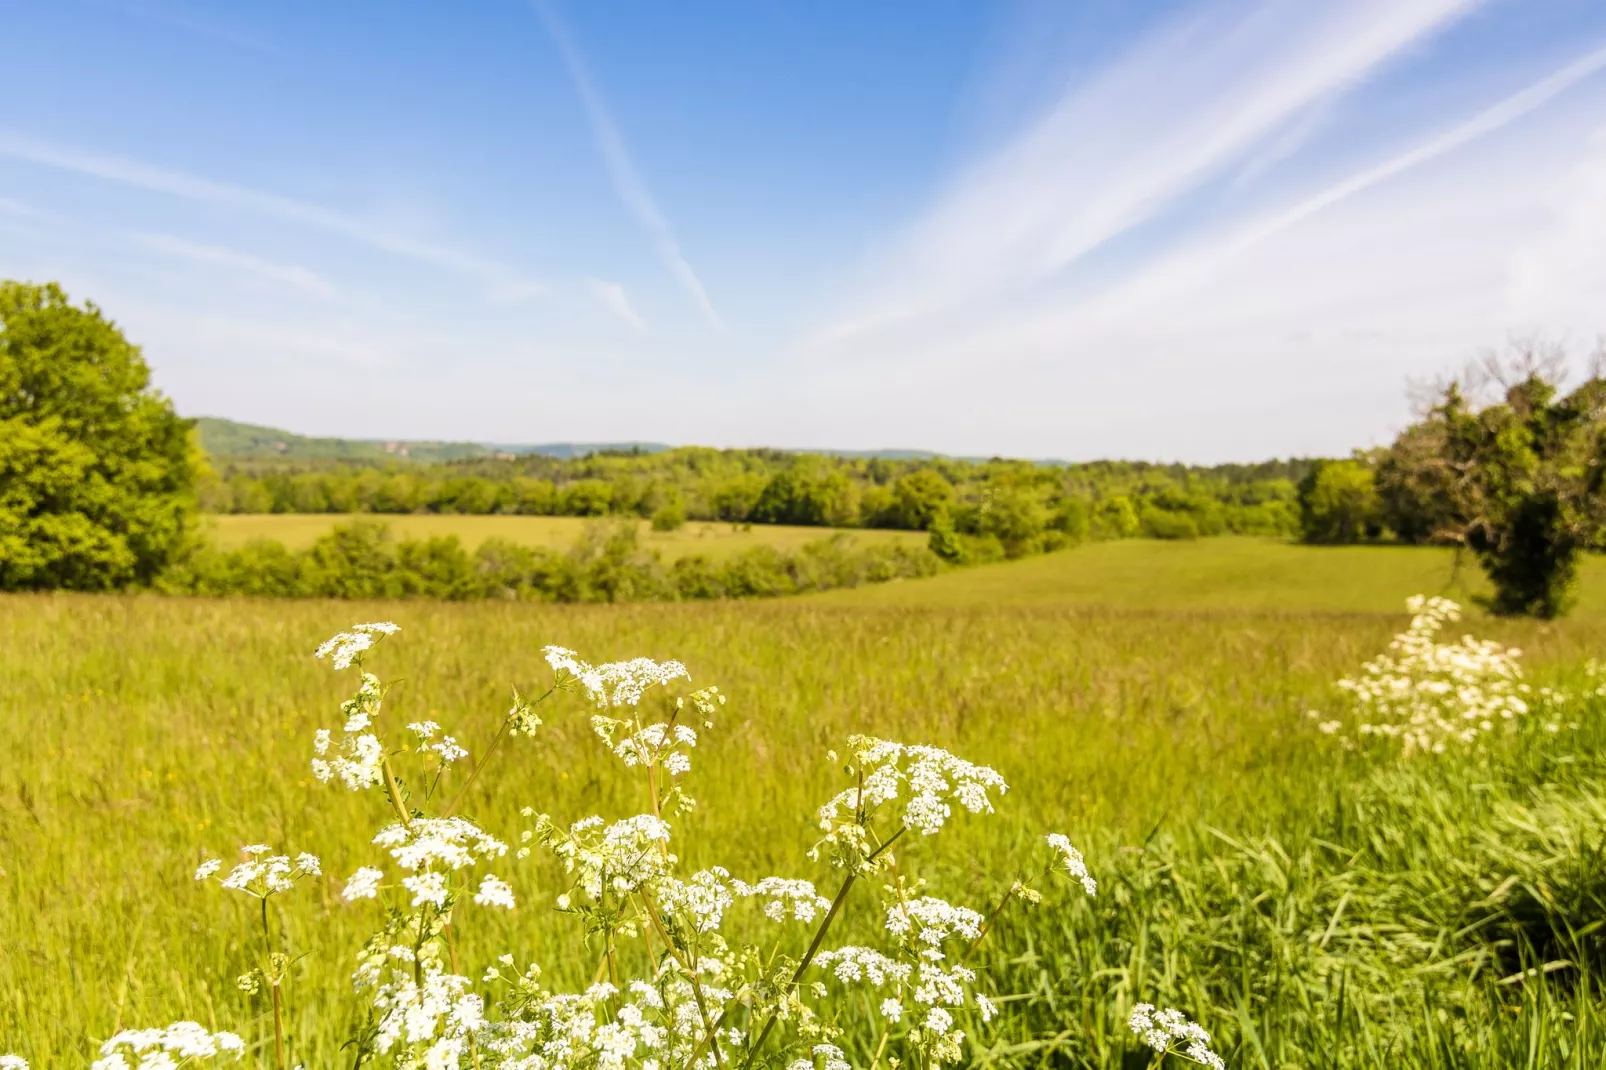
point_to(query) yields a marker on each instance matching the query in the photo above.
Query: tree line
(101, 483)
(1503, 463)
(361, 559)
(992, 509)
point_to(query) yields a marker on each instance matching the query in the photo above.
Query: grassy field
(1224, 573)
(298, 530)
(1148, 699)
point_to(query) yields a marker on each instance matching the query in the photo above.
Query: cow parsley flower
(359, 760)
(363, 884)
(428, 1024)
(618, 683)
(786, 898)
(824, 1057)
(429, 843)
(1071, 862)
(1171, 1031)
(13, 1062)
(929, 779)
(1431, 695)
(347, 648)
(703, 897)
(928, 921)
(494, 892)
(623, 856)
(262, 874)
(160, 1049)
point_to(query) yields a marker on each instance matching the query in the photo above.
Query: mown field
(1306, 903)
(299, 530)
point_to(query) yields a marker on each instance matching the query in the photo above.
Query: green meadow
(1311, 905)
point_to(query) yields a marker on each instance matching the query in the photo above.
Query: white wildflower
(786, 898)
(359, 760)
(262, 874)
(450, 842)
(892, 1009)
(1171, 1031)
(427, 888)
(1071, 862)
(363, 884)
(703, 897)
(157, 1049)
(619, 683)
(623, 856)
(929, 778)
(13, 1062)
(494, 892)
(347, 648)
(854, 965)
(929, 921)
(1431, 695)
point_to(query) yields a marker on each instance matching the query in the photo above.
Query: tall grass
(1311, 907)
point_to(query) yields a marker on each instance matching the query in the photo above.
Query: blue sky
(1185, 230)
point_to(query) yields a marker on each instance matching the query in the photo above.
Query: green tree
(97, 484)
(1338, 503)
(919, 498)
(1521, 482)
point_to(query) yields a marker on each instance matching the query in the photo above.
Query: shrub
(97, 481)
(670, 517)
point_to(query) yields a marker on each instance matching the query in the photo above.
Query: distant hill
(226, 439)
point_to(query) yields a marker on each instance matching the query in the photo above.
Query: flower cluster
(445, 749)
(428, 1022)
(618, 683)
(928, 780)
(1070, 860)
(359, 759)
(622, 856)
(647, 1023)
(165, 1049)
(262, 873)
(9, 1061)
(1430, 695)
(934, 991)
(430, 850)
(346, 649)
(1170, 1031)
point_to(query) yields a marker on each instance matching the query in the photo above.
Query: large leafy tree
(97, 476)
(1521, 482)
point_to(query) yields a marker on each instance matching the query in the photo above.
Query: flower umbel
(162, 1049)
(1170, 1031)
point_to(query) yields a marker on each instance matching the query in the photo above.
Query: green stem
(501, 734)
(393, 792)
(273, 985)
(819, 938)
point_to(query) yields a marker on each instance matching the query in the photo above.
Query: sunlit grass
(142, 733)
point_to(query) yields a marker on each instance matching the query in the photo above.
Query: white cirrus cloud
(293, 276)
(613, 297)
(1201, 95)
(627, 182)
(174, 183)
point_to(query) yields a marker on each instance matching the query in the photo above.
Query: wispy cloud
(298, 278)
(1204, 94)
(156, 179)
(613, 296)
(627, 181)
(1204, 258)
